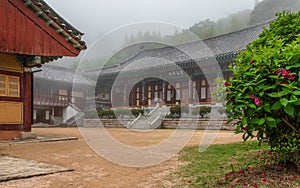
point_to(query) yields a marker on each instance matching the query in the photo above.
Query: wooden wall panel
(11, 113)
(3, 23)
(11, 28)
(10, 63)
(23, 32)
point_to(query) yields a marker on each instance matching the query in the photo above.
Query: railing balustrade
(51, 100)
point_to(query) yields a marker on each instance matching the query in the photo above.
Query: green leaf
(284, 92)
(274, 95)
(284, 102)
(244, 121)
(293, 66)
(270, 119)
(296, 92)
(273, 76)
(272, 124)
(252, 105)
(267, 107)
(289, 109)
(276, 106)
(261, 121)
(269, 87)
(254, 121)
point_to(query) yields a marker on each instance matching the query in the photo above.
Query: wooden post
(190, 90)
(164, 92)
(28, 99)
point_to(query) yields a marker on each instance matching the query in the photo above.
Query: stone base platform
(12, 168)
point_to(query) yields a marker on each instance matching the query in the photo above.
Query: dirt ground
(90, 170)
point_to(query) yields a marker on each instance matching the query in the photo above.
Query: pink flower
(245, 186)
(251, 96)
(226, 84)
(229, 173)
(255, 185)
(251, 61)
(241, 170)
(285, 73)
(278, 71)
(264, 179)
(291, 76)
(220, 183)
(244, 129)
(257, 102)
(231, 186)
(291, 179)
(295, 177)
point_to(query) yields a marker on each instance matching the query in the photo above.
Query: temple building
(31, 34)
(169, 75)
(55, 100)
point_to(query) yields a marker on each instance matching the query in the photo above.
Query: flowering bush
(263, 94)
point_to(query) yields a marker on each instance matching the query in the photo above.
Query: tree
(264, 93)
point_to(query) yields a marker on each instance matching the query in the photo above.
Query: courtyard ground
(90, 170)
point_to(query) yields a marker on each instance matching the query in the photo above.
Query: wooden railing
(51, 100)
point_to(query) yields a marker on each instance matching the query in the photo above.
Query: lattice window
(2, 85)
(9, 86)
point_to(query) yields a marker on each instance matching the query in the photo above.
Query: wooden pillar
(164, 92)
(143, 94)
(190, 90)
(124, 95)
(28, 99)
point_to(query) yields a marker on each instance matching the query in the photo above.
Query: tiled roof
(53, 19)
(61, 74)
(218, 46)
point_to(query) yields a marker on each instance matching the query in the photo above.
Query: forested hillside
(267, 9)
(263, 11)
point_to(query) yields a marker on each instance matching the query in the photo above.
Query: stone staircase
(76, 119)
(153, 120)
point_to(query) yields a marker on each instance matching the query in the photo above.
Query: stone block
(27, 135)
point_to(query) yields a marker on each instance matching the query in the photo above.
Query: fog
(97, 17)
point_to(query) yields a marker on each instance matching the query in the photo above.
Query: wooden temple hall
(31, 34)
(168, 75)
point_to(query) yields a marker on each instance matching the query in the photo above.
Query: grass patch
(234, 165)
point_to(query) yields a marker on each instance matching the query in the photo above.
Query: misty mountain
(233, 22)
(267, 9)
(263, 11)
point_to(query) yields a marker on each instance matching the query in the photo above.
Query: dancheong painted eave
(33, 28)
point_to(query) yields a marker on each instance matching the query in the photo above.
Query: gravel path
(91, 170)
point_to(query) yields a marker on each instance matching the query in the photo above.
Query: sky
(97, 17)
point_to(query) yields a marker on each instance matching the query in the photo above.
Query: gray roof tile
(61, 74)
(218, 46)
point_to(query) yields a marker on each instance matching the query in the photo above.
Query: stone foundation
(27, 135)
(107, 123)
(168, 123)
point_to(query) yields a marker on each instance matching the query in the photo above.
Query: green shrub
(109, 114)
(264, 92)
(119, 112)
(201, 111)
(175, 110)
(137, 111)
